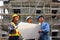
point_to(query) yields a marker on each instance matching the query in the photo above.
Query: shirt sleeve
(46, 28)
(10, 27)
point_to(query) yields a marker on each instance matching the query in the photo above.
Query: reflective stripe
(13, 34)
(17, 33)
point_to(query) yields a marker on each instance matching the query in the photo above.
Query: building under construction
(50, 9)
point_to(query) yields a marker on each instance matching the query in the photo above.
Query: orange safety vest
(16, 30)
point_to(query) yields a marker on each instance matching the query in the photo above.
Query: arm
(10, 27)
(45, 28)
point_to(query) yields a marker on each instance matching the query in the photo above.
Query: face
(29, 20)
(41, 19)
(16, 18)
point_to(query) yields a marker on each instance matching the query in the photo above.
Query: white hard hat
(28, 17)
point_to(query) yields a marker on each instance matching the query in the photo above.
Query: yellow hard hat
(14, 15)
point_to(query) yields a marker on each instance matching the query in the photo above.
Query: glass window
(38, 11)
(16, 10)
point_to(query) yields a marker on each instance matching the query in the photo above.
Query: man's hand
(39, 31)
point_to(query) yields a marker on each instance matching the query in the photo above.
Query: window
(38, 11)
(6, 11)
(16, 10)
(58, 1)
(54, 0)
(6, 2)
(4, 35)
(54, 12)
(1, 3)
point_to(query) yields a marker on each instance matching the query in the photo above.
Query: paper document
(28, 30)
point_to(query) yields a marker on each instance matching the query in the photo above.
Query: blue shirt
(45, 29)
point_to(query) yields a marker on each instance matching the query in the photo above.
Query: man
(29, 20)
(44, 29)
(13, 32)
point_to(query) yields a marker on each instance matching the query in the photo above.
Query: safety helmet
(28, 17)
(39, 17)
(14, 15)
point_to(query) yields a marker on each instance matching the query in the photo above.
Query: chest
(43, 26)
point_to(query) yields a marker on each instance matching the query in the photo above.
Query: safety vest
(16, 30)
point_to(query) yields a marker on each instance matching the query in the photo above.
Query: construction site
(50, 9)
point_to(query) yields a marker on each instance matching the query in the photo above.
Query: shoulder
(45, 23)
(11, 24)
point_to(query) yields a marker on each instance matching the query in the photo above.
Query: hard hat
(28, 17)
(14, 15)
(39, 17)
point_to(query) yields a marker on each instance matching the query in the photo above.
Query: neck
(14, 22)
(29, 22)
(40, 22)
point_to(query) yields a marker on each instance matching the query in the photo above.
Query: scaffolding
(32, 7)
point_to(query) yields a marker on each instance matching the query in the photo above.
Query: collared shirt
(45, 27)
(45, 30)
